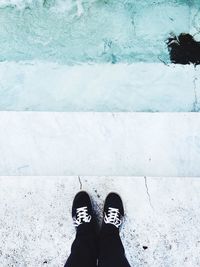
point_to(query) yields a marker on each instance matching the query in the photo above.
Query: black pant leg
(83, 252)
(111, 251)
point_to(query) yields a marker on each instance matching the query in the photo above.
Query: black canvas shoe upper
(82, 213)
(113, 213)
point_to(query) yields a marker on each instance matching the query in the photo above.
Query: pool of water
(95, 55)
(77, 31)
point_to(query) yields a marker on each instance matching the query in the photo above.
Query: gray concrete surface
(161, 213)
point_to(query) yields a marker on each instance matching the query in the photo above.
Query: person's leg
(84, 247)
(111, 250)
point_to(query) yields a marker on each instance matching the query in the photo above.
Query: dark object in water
(184, 49)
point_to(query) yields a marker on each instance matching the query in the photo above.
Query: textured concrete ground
(161, 228)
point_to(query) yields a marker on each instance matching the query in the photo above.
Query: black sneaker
(113, 213)
(82, 213)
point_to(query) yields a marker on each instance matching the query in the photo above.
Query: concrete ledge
(161, 214)
(45, 143)
(99, 87)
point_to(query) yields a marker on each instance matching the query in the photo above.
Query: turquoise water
(75, 31)
(95, 55)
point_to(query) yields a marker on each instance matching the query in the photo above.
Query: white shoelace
(82, 216)
(113, 217)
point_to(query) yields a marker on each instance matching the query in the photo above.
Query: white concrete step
(152, 144)
(161, 214)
